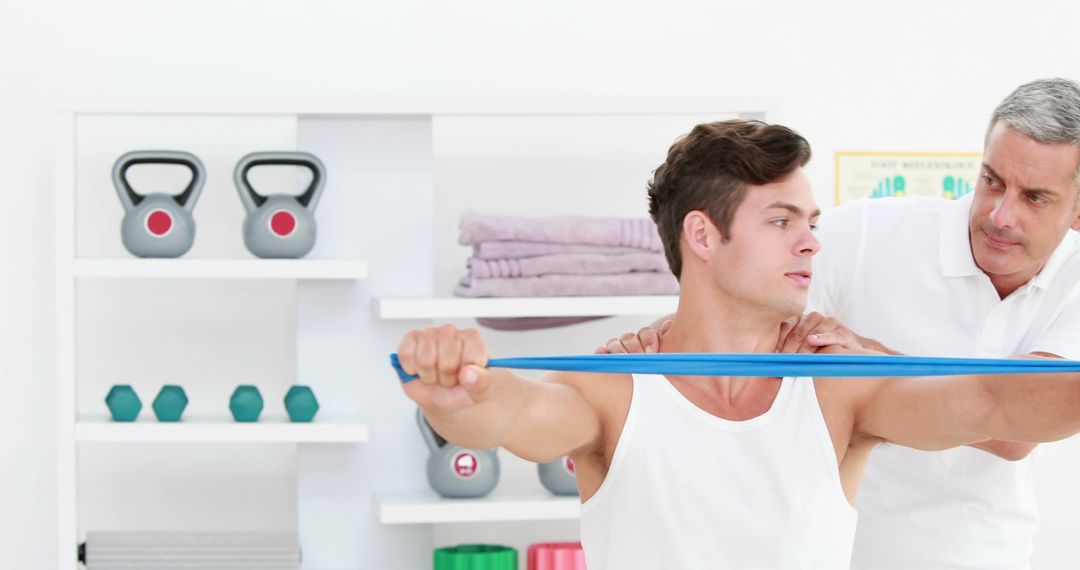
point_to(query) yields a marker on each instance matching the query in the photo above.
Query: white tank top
(689, 490)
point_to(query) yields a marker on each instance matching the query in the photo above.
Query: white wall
(853, 75)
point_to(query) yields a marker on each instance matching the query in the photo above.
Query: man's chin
(995, 263)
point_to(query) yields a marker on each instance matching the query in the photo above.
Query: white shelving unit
(428, 508)
(269, 429)
(377, 213)
(221, 268)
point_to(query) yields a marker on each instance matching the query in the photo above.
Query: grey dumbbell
(158, 224)
(279, 225)
(558, 476)
(456, 472)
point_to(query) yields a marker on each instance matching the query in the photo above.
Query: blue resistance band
(774, 365)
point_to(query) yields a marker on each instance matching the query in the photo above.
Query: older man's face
(1025, 201)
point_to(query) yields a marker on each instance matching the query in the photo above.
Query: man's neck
(1006, 284)
(707, 322)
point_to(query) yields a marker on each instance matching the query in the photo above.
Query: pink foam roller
(556, 556)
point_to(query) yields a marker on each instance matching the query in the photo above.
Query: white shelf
(427, 508)
(220, 429)
(222, 268)
(450, 308)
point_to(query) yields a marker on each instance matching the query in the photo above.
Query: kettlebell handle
(187, 199)
(252, 199)
(433, 440)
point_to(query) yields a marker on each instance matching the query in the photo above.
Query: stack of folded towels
(563, 256)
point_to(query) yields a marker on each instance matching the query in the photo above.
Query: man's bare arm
(940, 413)
(1007, 450)
(1011, 450)
(477, 407)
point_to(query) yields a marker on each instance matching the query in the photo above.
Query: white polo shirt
(900, 270)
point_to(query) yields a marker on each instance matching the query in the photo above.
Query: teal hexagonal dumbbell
(123, 403)
(246, 403)
(170, 403)
(301, 404)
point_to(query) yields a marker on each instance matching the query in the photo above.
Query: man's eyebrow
(1036, 190)
(792, 208)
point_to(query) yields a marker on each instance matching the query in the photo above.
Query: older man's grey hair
(1047, 110)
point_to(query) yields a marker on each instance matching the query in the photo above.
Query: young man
(995, 273)
(723, 472)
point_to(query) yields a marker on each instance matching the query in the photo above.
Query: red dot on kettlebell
(159, 222)
(282, 223)
(465, 464)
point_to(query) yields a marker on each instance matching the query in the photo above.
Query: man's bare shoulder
(591, 383)
(845, 398)
(849, 385)
(608, 394)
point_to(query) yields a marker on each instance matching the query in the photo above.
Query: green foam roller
(476, 557)
(170, 403)
(123, 403)
(246, 403)
(301, 404)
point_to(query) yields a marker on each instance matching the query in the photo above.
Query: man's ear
(700, 234)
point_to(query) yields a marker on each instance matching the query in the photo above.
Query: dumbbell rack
(358, 501)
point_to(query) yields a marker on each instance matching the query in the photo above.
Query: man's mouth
(998, 244)
(800, 277)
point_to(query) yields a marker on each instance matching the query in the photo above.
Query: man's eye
(781, 223)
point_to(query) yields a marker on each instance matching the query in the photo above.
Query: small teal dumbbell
(123, 403)
(246, 403)
(170, 403)
(301, 404)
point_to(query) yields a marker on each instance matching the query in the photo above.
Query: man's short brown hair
(709, 169)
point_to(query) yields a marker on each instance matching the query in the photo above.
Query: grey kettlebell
(280, 225)
(158, 224)
(558, 476)
(455, 472)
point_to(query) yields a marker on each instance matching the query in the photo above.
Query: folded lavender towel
(626, 232)
(515, 249)
(644, 283)
(530, 323)
(567, 264)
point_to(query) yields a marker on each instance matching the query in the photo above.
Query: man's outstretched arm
(943, 412)
(479, 408)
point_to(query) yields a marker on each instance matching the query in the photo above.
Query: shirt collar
(1045, 277)
(957, 259)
